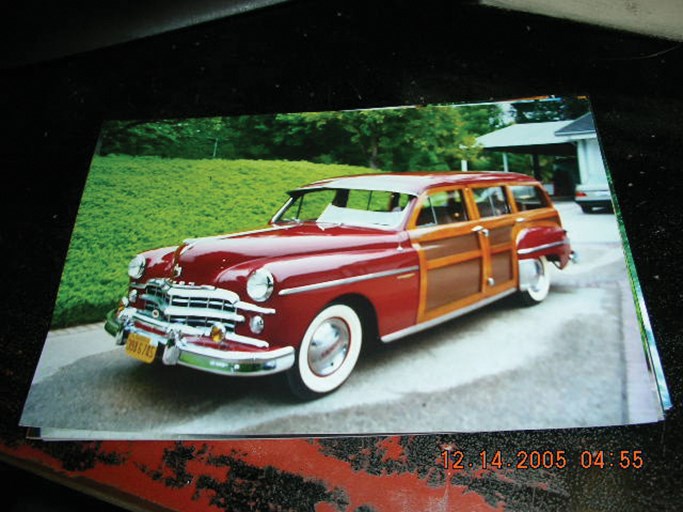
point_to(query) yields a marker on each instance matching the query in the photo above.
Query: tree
(551, 109)
(399, 139)
(139, 137)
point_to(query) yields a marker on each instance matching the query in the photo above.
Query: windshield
(363, 208)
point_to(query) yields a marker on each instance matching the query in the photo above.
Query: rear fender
(549, 241)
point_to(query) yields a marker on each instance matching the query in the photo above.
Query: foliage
(555, 109)
(132, 204)
(412, 138)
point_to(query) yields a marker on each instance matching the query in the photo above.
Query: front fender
(159, 263)
(388, 279)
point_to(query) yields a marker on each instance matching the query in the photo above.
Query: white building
(581, 132)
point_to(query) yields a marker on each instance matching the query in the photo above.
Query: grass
(132, 204)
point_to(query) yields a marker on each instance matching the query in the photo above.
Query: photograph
(342, 256)
(432, 268)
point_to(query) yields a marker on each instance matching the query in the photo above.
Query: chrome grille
(154, 290)
(194, 321)
(202, 302)
(194, 306)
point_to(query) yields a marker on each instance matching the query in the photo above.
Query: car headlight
(260, 285)
(136, 267)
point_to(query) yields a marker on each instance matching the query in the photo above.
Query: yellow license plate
(140, 347)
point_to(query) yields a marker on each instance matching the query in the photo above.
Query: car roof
(414, 183)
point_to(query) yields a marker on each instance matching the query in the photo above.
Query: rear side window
(442, 208)
(528, 197)
(376, 200)
(491, 201)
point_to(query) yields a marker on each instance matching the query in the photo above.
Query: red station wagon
(345, 261)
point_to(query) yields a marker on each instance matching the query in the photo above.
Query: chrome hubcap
(329, 346)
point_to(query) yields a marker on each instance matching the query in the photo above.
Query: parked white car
(593, 195)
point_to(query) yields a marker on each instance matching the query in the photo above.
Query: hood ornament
(177, 270)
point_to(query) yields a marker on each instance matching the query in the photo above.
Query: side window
(491, 201)
(376, 200)
(442, 208)
(528, 197)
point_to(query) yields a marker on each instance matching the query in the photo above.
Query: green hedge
(132, 204)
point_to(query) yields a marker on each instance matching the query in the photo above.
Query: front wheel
(537, 276)
(328, 352)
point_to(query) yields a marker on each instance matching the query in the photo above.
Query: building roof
(539, 138)
(414, 183)
(584, 125)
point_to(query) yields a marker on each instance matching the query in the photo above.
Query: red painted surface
(191, 476)
(539, 236)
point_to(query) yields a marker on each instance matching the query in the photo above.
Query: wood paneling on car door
(452, 254)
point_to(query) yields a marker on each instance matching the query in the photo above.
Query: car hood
(200, 259)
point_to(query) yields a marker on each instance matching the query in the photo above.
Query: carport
(572, 138)
(529, 139)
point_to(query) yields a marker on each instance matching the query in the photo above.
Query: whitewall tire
(539, 283)
(328, 352)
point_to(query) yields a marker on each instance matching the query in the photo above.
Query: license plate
(140, 347)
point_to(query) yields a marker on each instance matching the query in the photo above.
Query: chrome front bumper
(178, 351)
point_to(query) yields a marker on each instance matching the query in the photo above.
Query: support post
(536, 166)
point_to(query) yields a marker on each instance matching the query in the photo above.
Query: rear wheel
(328, 352)
(538, 283)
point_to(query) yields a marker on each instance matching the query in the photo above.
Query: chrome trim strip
(277, 215)
(246, 306)
(346, 280)
(186, 330)
(252, 232)
(231, 336)
(235, 355)
(449, 316)
(242, 365)
(202, 313)
(540, 247)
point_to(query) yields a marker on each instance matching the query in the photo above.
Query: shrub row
(132, 204)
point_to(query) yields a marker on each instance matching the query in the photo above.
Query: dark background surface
(303, 56)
